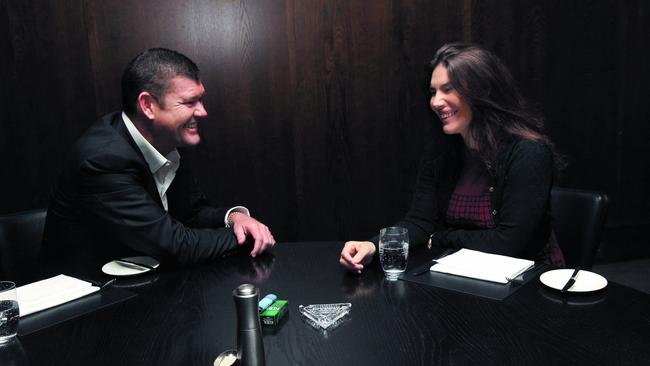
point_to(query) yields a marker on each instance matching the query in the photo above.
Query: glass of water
(8, 312)
(393, 251)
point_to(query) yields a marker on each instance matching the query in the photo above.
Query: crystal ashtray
(325, 316)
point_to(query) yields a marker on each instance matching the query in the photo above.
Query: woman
(486, 185)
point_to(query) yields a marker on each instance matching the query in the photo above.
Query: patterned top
(470, 203)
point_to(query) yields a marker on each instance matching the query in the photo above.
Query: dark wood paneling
(631, 51)
(361, 113)
(318, 110)
(580, 91)
(47, 93)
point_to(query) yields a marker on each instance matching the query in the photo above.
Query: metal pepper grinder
(250, 348)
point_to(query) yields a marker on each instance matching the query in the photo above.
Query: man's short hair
(151, 71)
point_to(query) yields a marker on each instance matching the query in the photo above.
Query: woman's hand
(356, 254)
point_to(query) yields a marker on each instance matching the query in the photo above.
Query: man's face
(176, 114)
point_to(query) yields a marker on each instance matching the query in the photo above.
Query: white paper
(482, 266)
(51, 292)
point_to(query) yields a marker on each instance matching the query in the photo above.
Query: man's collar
(155, 160)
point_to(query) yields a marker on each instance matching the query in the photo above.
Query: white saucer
(585, 282)
(123, 269)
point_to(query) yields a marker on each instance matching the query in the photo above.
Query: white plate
(585, 282)
(121, 269)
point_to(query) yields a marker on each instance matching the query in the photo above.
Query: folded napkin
(482, 266)
(51, 292)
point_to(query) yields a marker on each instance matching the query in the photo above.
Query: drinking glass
(8, 311)
(393, 251)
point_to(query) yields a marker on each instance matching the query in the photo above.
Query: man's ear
(148, 104)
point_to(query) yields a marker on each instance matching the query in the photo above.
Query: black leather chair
(578, 219)
(20, 243)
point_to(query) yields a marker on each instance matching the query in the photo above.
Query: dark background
(318, 110)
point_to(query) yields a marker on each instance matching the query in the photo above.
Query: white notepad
(51, 292)
(482, 266)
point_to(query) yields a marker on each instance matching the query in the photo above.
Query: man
(125, 188)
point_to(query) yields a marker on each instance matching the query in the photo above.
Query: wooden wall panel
(249, 137)
(579, 106)
(318, 109)
(361, 115)
(47, 89)
(631, 155)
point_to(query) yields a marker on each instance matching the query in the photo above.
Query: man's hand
(356, 254)
(243, 225)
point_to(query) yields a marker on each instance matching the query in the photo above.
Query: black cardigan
(520, 185)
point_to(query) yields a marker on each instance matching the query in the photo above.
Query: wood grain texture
(318, 109)
(46, 92)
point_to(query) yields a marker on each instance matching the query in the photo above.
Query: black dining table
(187, 316)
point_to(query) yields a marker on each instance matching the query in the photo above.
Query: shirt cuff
(240, 209)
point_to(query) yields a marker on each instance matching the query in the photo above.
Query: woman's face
(454, 113)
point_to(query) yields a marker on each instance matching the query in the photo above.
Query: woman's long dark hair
(499, 112)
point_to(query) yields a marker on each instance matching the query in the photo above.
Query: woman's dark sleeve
(526, 190)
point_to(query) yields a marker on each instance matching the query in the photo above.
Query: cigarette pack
(274, 313)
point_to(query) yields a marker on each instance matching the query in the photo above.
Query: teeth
(191, 125)
(446, 115)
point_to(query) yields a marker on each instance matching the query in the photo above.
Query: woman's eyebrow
(445, 85)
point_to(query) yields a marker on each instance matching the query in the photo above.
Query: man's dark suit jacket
(106, 205)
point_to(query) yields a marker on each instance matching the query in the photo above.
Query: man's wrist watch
(229, 218)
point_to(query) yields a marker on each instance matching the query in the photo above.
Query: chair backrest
(578, 219)
(21, 234)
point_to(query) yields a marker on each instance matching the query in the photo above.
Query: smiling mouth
(446, 115)
(191, 125)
